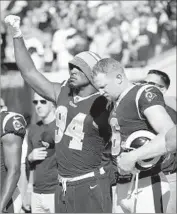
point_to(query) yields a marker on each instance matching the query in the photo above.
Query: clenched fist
(13, 23)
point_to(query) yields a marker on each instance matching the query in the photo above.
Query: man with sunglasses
(82, 129)
(41, 157)
(13, 129)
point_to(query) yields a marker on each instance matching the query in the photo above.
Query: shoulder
(149, 93)
(12, 122)
(147, 96)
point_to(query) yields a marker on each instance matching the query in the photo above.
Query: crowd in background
(131, 32)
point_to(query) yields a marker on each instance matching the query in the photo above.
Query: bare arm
(32, 76)
(12, 147)
(161, 123)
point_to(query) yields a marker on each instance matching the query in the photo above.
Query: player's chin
(72, 84)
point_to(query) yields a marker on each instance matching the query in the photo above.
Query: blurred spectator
(101, 39)
(117, 48)
(59, 43)
(68, 27)
(143, 47)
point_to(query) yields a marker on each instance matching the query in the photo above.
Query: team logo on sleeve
(45, 144)
(17, 124)
(149, 95)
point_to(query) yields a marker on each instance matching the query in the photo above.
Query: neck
(126, 85)
(49, 118)
(85, 91)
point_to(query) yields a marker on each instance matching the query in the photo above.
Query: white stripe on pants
(42, 203)
(145, 200)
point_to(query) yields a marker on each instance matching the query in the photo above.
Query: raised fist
(13, 23)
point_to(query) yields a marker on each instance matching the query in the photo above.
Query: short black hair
(164, 77)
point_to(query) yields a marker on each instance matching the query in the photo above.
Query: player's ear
(119, 78)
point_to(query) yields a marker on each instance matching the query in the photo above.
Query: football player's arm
(31, 75)
(160, 121)
(160, 145)
(29, 165)
(12, 148)
(152, 108)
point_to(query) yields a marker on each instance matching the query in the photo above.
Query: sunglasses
(35, 102)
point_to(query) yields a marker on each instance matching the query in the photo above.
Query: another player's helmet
(85, 61)
(138, 139)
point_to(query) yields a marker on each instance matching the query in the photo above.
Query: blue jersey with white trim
(82, 132)
(129, 114)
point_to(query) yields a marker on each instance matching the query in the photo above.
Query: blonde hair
(108, 66)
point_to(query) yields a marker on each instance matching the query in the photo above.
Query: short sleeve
(16, 125)
(150, 96)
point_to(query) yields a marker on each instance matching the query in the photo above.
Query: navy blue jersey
(11, 123)
(129, 111)
(128, 114)
(82, 132)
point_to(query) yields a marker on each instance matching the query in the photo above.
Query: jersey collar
(123, 94)
(79, 99)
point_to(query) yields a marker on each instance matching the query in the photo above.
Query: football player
(169, 166)
(12, 134)
(137, 108)
(82, 129)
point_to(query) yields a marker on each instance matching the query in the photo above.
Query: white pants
(43, 203)
(17, 201)
(152, 197)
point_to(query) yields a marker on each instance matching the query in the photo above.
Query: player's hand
(13, 23)
(126, 162)
(37, 154)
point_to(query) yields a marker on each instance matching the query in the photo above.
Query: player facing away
(137, 108)
(82, 129)
(12, 134)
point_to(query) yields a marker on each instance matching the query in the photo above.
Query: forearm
(23, 59)
(156, 147)
(29, 72)
(9, 187)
